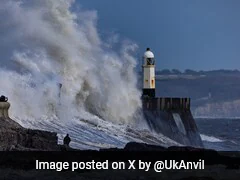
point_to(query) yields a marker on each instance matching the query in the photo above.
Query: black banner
(131, 164)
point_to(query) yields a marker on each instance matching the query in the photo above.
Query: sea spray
(50, 44)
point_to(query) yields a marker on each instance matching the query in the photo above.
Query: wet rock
(15, 137)
(134, 146)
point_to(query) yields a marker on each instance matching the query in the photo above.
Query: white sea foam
(210, 138)
(49, 43)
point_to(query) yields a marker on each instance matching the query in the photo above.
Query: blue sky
(194, 34)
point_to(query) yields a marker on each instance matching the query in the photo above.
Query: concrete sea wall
(173, 118)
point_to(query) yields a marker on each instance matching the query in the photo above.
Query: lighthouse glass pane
(150, 61)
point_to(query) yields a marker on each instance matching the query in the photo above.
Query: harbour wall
(173, 118)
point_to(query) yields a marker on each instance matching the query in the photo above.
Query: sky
(183, 34)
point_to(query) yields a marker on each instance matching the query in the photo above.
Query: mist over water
(49, 43)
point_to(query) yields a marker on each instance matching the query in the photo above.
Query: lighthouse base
(172, 117)
(149, 93)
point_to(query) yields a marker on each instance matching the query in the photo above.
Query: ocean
(220, 134)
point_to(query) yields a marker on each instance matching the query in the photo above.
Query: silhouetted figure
(66, 140)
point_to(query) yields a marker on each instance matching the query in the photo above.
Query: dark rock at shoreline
(134, 146)
(15, 137)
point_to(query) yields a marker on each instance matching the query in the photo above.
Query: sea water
(220, 134)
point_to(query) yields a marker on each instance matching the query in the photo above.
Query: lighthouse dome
(148, 54)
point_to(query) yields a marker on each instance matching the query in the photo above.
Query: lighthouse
(148, 74)
(170, 116)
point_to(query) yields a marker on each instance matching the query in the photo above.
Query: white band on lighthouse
(149, 77)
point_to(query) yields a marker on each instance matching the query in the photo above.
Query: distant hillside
(192, 72)
(214, 93)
